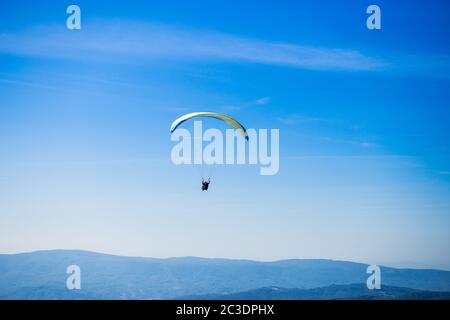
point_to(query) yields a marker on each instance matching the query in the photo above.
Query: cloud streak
(296, 118)
(141, 42)
(263, 101)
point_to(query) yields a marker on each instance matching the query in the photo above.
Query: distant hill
(334, 292)
(41, 275)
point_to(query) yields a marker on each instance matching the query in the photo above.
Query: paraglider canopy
(232, 122)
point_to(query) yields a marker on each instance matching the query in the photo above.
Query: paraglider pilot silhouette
(232, 122)
(205, 184)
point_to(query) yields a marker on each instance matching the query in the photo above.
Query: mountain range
(42, 275)
(355, 291)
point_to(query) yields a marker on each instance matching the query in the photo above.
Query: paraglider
(205, 184)
(232, 122)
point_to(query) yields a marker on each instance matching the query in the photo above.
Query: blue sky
(363, 118)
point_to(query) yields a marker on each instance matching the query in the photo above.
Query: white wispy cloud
(130, 41)
(248, 104)
(263, 100)
(355, 142)
(296, 118)
(346, 137)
